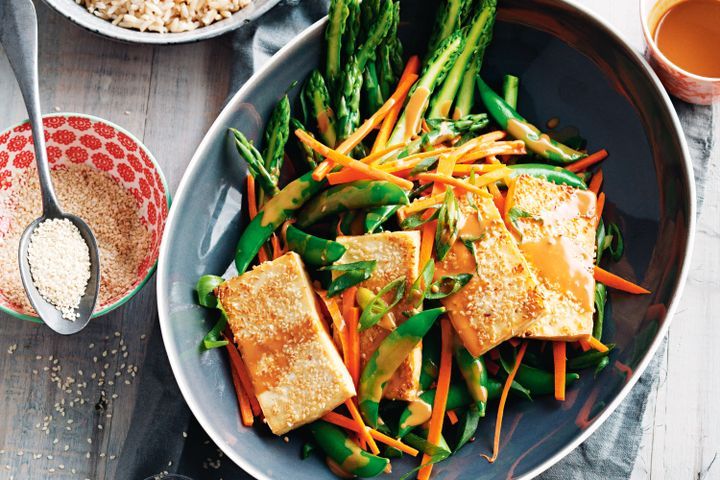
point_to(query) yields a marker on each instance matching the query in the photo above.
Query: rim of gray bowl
(220, 123)
(80, 16)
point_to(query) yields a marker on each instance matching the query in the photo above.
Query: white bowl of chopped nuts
(104, 175)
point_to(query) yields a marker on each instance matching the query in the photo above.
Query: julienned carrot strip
(596, 182)
(498, 199)
(584, 345)
(613, 281)
(341, 159)
(411, 68)
(338, 323)
(246, 414)
(343, 422)
(559, 352)
(452, 416)
(363, 430)
(350, 313)
(441, 393)
(501, 406)
(411, 161)
(599, 207)
(466, 169)
(252, 198)
(596, 344)
(455, 182)
(421, 204)
(346, 175)
(513, 147)
(588, 161)
(381, 153)
(404, 85)
(238, 366)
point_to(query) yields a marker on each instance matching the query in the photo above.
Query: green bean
(389, 355)
(313, 250)
(347, 454)
(350, 196)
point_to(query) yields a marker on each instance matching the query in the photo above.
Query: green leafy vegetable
(420, 286)
(614, 242)
(205, 288)
(416, 220)
(356, 272)
(468, 427)
(447, 285)
(447, 225)
(377, 308)
(600, 301)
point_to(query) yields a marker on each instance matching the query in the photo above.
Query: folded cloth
(163, 436)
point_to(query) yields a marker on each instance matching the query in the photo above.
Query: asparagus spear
(337, 19)
(255, 163)
(376, 34)
(348, 106)
(477, 36)
(276, 136)
(372, 93)
(511, 84)
(389, 63)
(316, 103)
(433, 73)
(465, 98)
(369, 10)
(352, 29)
(449, 18)
(308, 156)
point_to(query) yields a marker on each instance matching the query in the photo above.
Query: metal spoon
(18, 36)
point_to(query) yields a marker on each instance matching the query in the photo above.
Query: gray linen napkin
(610, 453)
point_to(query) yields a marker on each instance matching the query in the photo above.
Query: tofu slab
(555, 227)
(502, 300)
(397, 254)
(297, 373)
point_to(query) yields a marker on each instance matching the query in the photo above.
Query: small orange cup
(680, 83)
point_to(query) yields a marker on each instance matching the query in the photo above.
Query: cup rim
(650, 40)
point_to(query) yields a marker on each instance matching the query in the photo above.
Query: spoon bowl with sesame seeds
(58, 253)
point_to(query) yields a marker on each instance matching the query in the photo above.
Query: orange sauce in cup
(688, 34)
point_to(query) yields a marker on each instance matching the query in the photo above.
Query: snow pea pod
(539, 382)
(377, 216)
(430, 363)
(420, 410)
(347, 454)
(475, 374)
(313, 250)
(551, 173)
(273, 214)
(351, 196)
(589, 359)
(519, 128)
(391, 352)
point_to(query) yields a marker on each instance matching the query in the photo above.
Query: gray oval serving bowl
(79, 15)
(573, 67)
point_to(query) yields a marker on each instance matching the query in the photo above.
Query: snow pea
(377, 216)
(588, 359)
(519, 128)
(538, 382)
(420, 410)
(475, 374)
(313, 250)
(391, 352)
(273, 214)
(350, 196)
(346, 453)
(551, 173)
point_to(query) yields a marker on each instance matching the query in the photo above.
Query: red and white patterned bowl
(83, 139)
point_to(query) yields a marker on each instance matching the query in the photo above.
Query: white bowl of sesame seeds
(101, 173)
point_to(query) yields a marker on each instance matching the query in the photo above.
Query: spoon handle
(19, 38)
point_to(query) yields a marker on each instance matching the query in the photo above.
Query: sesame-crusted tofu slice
(297, 373)
(502, 298)
(397, 254)
(555, 227)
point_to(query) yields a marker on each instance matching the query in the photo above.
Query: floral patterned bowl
(83, 139)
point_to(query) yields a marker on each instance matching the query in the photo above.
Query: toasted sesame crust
(397, 254)
(502, 298)
(553, 213)
(297, 373)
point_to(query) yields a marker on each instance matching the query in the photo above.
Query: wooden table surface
(50, 425)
